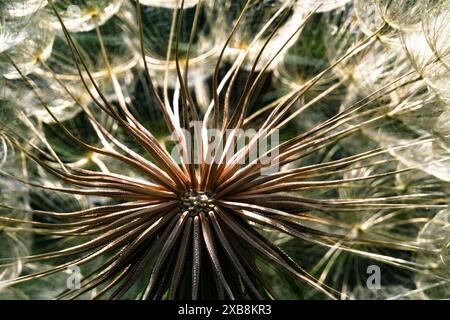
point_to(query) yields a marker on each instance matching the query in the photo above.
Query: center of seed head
(197, 201)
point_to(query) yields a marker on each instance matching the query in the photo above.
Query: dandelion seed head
(332, 116)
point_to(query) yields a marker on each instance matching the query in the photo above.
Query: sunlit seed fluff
(172, 4)
(25, 56)
(84, 16)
